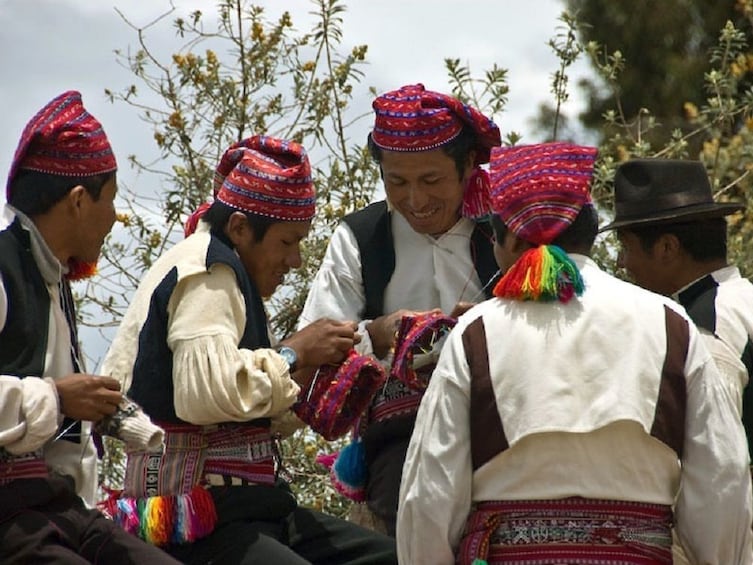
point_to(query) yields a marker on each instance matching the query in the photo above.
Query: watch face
(289, 355)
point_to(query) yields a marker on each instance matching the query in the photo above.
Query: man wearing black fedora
(673, 240)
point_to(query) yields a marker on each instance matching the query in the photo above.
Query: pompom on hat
(412, 119)
(538, 191)
(265, 176)
(63, 139)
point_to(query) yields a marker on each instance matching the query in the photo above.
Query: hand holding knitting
(323, 342)
(88, 397)
(382, 330)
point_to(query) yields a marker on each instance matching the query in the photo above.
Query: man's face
(269, 260)
(95, 221)
(425, 188)
(647, 268)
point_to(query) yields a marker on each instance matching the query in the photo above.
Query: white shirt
(429, 273)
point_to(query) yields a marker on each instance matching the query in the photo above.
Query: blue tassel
(350, 465)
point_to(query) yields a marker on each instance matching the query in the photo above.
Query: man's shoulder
(368, 215)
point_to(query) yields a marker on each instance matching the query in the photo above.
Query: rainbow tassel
(162, 520)
(544, 273)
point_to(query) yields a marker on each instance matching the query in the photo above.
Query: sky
(49, 46)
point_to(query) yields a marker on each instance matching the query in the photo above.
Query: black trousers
(383, 484)
(264, 525)
(44, 521)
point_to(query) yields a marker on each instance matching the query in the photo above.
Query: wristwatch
(290, 356)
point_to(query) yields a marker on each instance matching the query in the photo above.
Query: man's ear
(75, 198)
(237, 228)
(668, 247)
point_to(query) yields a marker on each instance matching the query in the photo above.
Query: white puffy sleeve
(214, 379)
(337, 290)
(435, 491)
(713, 509)
(29, 409)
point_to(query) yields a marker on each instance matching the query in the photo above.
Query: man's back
(591, 397)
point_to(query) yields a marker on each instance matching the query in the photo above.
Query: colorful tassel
(78, 270)
(347, 470)
(162, 520)
(544, 273)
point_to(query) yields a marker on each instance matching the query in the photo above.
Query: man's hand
(88, 397)
(382, 330)
(461, 308)
(323, 342)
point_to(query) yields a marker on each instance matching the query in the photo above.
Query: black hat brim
(688, 214)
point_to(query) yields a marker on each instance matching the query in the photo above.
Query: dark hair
(35, 193)
(704, 240)
(219, 213)
(457, 149)
(578, 236)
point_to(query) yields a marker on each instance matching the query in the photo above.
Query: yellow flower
(691, 110)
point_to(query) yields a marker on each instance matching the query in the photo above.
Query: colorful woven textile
(26, 466)
(412, 118)
(575, 530)
(338, 394)
(63, 139)
(267, 176)
(538, 190)
(418, 343)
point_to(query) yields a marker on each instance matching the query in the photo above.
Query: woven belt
(571, 530)
(26, 466)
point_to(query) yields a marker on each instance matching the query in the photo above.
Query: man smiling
(418, 251)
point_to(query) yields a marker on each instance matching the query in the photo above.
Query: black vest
(372, 229)
(152, 385)
(699, 299)
(23, 339)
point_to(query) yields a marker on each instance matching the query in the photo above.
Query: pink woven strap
(572, 530)
(27, 466)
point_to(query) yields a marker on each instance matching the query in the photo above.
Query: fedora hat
(662, 191)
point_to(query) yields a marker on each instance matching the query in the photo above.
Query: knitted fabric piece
(412, 118)
(63, 139)
(538, 190)
(267, 176)
(417, 345)
(338, 394)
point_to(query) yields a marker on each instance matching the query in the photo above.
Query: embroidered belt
(572, 530)
(165, 502)
(27, 466)
(242, 451)
(394, 399)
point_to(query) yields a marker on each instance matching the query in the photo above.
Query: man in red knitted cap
(194, 350)
(60, 194)
(565, 414)
(418, 251)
